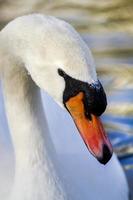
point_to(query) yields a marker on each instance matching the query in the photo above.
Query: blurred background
(107, 27)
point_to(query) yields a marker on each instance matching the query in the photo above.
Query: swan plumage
(40, 45)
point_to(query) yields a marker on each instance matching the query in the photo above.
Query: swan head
(61, 63)
(85, 101)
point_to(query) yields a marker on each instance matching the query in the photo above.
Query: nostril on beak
(107, 154)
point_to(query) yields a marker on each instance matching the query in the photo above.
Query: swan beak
(91, 129)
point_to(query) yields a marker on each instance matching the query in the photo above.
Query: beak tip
(107, 154)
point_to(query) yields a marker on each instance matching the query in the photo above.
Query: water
(107, 28)
(115, 69)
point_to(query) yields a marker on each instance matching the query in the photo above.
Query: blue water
(113, 53)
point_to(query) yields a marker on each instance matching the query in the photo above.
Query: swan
(43, 52)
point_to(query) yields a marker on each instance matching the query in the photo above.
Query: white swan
(43, 51)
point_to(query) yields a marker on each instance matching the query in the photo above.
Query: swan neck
(36, 170)
(27, 123)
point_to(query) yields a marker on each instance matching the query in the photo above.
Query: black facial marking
(95, 101)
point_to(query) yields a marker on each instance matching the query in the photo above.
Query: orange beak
(91, 130)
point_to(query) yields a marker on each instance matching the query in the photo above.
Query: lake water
(107, 28)
(115, 69)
